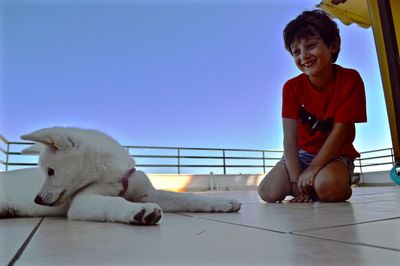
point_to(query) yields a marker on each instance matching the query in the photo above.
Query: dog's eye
(50, 171)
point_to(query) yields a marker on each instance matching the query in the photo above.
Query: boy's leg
(275, 186)
(332, 183)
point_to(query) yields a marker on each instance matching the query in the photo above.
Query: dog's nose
(38, 200)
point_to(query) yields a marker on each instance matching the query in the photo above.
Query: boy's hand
(300, 197)
(306, 179)
(305, 186)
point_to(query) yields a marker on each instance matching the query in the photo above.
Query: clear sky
(164, 73)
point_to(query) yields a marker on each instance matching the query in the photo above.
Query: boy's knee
(269, 195)
(332, 183)
(330, 190)
(324, 191)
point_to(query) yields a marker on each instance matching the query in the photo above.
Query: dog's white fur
(82, 179)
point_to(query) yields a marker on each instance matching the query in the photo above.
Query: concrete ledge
(210, 182)
(377, 178)
(183, 182)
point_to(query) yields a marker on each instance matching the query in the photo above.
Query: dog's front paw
(223, 205)
(236, 205)
(148, 214)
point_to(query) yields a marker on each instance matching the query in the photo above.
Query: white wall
(378, 178)
(183, 182)
(176, 182)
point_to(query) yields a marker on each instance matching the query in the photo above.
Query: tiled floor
(363, 231)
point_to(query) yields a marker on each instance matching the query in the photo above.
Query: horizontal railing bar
(201, 165)
(22, 164)
(174, 156)
(192, 165)
(385, 149)
(202, 157)
(155, 156)
(242, 158)
(20, 143)
(201, 149)
(375, 164)
(375, 157)
(187, 148)
(167, 148)
(170, 165)
(17, 153)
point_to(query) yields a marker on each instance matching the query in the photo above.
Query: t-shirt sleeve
(290, 106)
(352, 107)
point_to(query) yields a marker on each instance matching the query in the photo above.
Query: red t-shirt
(316, 112)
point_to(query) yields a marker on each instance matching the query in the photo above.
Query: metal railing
(153, 159)
(375, 160)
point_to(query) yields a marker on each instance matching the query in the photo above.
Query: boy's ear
(336, 45)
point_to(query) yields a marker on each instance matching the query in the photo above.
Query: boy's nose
(304, 55)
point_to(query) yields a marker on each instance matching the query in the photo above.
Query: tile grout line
(241, 225)
(25, 244)
(373, 201)
(292, 232)
(345, 242)
(344, 225)
(303, 235)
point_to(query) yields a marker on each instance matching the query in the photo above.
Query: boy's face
(312, 56)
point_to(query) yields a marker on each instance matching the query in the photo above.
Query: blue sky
(164, 73)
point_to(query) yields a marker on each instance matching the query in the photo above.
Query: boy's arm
(290, 148)
(325, 155)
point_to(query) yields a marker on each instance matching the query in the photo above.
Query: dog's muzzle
(48, 199)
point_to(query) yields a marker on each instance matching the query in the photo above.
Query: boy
(319, 109)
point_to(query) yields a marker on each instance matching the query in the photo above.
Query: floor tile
(13, 233)
(382, 233)
(375, 190)
(288, 217)
(181, 240)
(362, 231)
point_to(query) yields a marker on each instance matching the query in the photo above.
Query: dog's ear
(35, 149)
(53, 140)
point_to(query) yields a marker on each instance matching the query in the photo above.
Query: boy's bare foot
(300, 197)
(303, 198)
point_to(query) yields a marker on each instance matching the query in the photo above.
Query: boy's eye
(295, 52)
(50, 171)
(310, 46)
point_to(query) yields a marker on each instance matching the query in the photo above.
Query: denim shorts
(305, 159)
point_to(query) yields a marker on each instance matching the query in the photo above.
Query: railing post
(359, 164)
(179, 161)
(223, 154)
(7, 154)
(263, 153)
(392, 156)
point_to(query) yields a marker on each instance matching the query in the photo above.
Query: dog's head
(62, 161)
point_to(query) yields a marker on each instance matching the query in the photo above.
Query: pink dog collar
(125, 182)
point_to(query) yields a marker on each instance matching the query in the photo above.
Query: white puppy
(89, 176)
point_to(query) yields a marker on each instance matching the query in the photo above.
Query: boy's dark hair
(312, 23)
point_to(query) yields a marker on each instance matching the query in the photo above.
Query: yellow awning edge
(352, 11)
